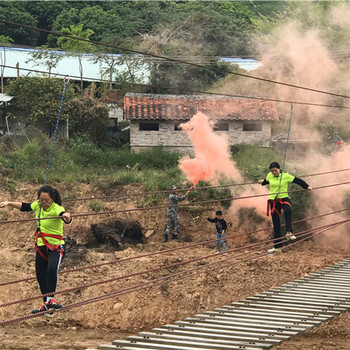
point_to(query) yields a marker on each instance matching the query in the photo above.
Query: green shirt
(53, 226)
(275, 184)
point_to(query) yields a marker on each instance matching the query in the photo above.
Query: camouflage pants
(173, 222)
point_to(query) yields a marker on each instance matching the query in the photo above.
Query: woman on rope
(279, 200)
(49, 241)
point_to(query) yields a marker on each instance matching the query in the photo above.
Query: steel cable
(174, 59)
(149, 284)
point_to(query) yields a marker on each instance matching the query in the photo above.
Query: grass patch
(80, 160)
(253, 161)
(96, 205)
(211, 194)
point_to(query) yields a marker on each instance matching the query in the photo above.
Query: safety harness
(274, 209)
(42, 235)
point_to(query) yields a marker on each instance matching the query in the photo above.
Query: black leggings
(276, 220)
(47, 270)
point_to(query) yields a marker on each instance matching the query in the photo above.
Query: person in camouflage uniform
(173, 216)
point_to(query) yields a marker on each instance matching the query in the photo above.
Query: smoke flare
(211, 152)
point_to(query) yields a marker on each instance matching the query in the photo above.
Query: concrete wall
(177, 141)
(115, 112)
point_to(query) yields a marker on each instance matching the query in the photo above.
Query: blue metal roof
(69, 64)
(244, 63)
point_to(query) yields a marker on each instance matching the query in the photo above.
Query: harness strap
(56, 247)
(274, 209)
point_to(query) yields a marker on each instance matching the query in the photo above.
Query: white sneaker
(274, 250)
(290, 236)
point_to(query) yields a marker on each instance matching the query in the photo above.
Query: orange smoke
(211, 152)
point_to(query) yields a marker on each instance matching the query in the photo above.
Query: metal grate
(258, 322)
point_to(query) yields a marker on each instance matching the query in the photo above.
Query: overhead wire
(197, 188)
(95, 299)
(174, 60)
(25, 48)
(243, 75)
(166, 206)
(169, 88)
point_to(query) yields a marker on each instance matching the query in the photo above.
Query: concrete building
(155, 119)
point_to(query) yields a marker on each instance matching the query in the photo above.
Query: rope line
(55, 133)
(166, 206)
(174, 59)
(179, 276)
(176, 89)
(161, 252)
(134, 194)
(113, 279)
(285, 150)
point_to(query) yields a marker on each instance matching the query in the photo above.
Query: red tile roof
(183, 107)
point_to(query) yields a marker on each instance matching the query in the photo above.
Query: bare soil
(118, 317)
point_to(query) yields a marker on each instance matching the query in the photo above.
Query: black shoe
(174, 236)
(53, 304)
(42, 308)
(165, 239)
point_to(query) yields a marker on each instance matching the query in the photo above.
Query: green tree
(44, 56)
(108, 62)
(45, 12)
(77, 46)
(175, 42)
(5, 41)
(88, 116)
(106, 25)
(133, 69)
(13, 12)
(65, 19)
(39, 98)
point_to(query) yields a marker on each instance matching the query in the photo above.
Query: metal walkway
(258, 322)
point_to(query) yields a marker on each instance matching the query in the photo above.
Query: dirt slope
(118, 317)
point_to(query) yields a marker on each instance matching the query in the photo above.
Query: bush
(39, 98)
(89, 117)
(210, 194)
(96, 205)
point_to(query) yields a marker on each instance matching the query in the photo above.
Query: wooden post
(67, 128)
(17, 67)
